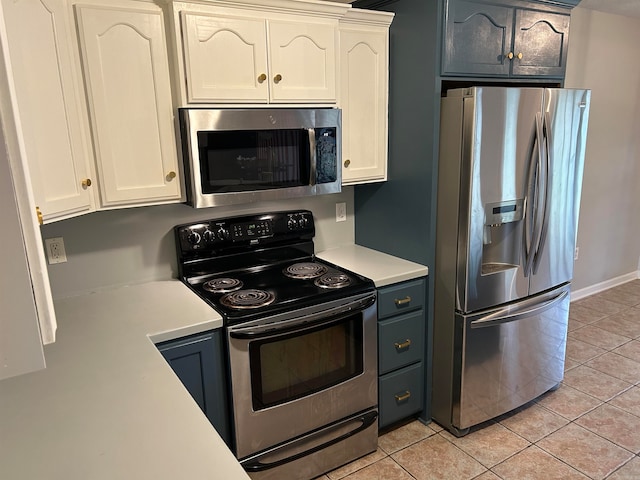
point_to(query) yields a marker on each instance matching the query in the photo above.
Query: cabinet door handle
(347, 162)
(402, 301)
(519, 56)
(171, 176)
(401, 397)
(39, 216)
(277, 78)
(403, 346)
(86, 183)
(510, 55)
(262, 78)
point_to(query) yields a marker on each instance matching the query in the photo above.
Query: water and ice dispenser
(502, 235)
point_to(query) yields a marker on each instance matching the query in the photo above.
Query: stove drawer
(400, 298)
(400, 394)
(400, 341)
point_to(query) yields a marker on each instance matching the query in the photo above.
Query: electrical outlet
(341, 212)
(55, 250)
(576, 253)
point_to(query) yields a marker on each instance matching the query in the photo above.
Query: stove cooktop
(264, 290)
(263, 266)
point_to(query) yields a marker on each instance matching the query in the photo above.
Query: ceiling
(618, 7)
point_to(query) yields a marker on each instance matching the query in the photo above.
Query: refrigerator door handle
(546, 132)
(514, 312)
(533, 228)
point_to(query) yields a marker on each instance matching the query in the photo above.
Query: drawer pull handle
(404, 345)
(402, 301)
(402, 397)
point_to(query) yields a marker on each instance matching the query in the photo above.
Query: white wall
(603, 56)
(135, 245)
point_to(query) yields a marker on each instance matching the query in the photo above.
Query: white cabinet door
(240, 56)
(20, 343)
(364, 98)
(128, 88)
(50, 101)
(303, 61)
(225, 58)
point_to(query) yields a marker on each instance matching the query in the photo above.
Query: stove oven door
(304, 382)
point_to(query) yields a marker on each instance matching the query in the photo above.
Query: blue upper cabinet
(504, 39)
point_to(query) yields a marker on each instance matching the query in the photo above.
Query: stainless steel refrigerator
(509, 183)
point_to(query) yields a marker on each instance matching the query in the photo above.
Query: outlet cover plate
(341, 212)
(55, 250)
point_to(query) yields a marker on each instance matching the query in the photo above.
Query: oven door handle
(277, 327)
(255, 465)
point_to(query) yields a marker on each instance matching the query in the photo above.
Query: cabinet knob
(171, 176)
(519, 56)
(86, 183)
(510, 55)
(402, 345)
(401, 397)
(347, 162)
(262, 78)
(39, 216)
(277, 78)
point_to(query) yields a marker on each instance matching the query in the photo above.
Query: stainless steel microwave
(236, 156)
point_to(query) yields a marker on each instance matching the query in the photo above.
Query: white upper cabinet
(266, 52)
(238, 44)
(303, 61)
(126, 70)
(50, 101)
(364, 73)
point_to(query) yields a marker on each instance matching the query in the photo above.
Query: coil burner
(251, 298)
(332, 280)
(305, 270)
(222, 285)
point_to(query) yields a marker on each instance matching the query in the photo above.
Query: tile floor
(587, 429)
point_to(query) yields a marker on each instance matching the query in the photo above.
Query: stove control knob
(292, 224)
(209, 236)
(223, 234)
(194, 238)
(304, 222)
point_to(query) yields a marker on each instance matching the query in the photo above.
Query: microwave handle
(312, 152)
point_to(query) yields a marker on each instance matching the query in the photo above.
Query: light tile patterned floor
(587, 429)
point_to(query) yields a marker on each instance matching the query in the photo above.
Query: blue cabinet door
(478, 38)
(199, 363)
(540, 43)
(508, 38)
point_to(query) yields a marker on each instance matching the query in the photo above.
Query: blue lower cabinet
(199, 363)
(402, 344)
(400, 394)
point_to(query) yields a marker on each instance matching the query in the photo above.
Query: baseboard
(602, 286)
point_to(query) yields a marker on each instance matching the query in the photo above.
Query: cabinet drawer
(400, 341)
(401, 298)
(400, 394)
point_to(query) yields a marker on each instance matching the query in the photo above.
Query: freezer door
(500, 142)
(564, 125)
(508, 356)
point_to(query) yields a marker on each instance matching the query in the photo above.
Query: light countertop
(108, 406)
(383, 269)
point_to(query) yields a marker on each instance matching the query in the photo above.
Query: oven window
(299, 364)
(243, 160)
